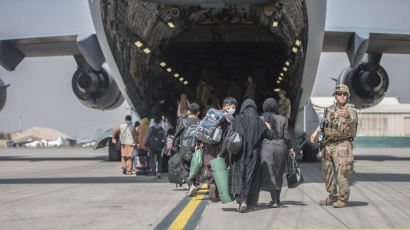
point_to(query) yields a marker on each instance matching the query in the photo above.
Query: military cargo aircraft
(143, 49)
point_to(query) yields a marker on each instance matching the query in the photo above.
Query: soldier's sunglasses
(341, 93)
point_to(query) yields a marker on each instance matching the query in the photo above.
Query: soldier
(339, 129)
(284, 105)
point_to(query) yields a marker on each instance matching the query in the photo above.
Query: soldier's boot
(327, 202)
(339, 204)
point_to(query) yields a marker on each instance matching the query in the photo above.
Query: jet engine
(3, 93)
(368, 84)
(96, 89)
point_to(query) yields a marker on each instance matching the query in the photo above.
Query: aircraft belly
(95, 8)
(250, 40)
(316, 10)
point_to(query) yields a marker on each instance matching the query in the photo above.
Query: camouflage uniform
(337, 151)
(284, 107)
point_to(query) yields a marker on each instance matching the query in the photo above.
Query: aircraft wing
(14, 50)
(358, 41)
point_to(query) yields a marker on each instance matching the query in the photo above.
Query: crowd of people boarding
(147, 146)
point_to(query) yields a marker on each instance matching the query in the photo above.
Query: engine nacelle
(96, 89)
(368, 84)
(3, 94)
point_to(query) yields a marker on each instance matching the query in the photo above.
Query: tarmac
(75, 188)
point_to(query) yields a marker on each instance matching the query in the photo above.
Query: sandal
(243, 207)
(272, 204)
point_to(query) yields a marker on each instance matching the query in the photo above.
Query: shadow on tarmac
(380, 158)
(381, 177)
(84, 180)
(22, 158)
(357, 204)
(291, 202)
(263, 206)
(316, 177)
(370, 158)
(229, 209)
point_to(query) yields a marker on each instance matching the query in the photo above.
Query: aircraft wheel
(310, 152)
(113, 153)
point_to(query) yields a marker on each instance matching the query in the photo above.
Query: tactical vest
(336, 128)
(126, 134)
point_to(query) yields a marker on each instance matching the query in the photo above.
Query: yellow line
(183, 217)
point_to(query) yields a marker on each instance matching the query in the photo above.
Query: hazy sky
(41, 87)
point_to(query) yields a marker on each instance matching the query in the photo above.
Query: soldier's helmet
(341, 88)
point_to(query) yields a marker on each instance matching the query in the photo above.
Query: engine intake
(368, 84)
(3, 94)
(96, 89)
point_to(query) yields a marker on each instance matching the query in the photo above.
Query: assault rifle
(321, 136)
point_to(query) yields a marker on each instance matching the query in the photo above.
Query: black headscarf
(249, 125)
(270, 108)
(249, 108)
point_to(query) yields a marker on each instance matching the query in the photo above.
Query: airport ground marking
(189, 209)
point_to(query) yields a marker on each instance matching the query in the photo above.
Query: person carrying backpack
(155, 141)
(128, 138)
(211, 150)
(185, 143)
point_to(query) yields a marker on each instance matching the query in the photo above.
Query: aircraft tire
(113, 153)
(310, 152)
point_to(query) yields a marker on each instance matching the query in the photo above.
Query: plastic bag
(234, 143)
(197, 163)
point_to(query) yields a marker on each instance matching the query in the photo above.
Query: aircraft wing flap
(389, 43)
(14, 50)
(47, 46)
(378, 41)
(335, 41)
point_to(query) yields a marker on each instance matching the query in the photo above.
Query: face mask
(231, 111)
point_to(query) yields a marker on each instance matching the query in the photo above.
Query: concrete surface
(69, 188)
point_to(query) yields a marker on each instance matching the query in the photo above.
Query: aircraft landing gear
(113, 153)
(310, 152)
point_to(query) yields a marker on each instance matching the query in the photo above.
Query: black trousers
(275, 195)
(154, 157)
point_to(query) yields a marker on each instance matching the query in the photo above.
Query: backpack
(156, 139)
(209, 130)
(126, 134)
(188, 142)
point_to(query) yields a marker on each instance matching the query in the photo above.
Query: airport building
(387, 119)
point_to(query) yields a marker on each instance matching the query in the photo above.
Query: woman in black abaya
(274, 152)
(242, 172)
